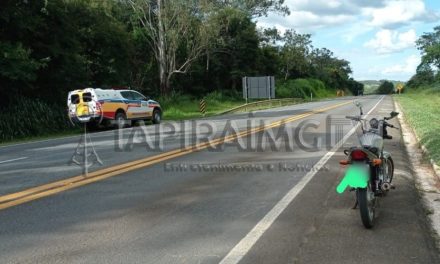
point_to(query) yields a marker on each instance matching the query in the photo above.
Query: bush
(301, 88)
(215, 96)
(426, 89)
(31, 117)
(385, 87)
(293, 89)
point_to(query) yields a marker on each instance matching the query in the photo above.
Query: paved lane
(169, 213)
(47, 161)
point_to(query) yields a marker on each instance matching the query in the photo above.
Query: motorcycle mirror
(357, 103)
(394, 114)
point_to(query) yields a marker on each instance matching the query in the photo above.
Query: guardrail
(264, 104)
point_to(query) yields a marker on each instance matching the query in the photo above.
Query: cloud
(305, 19)
(333, 7)
(309, 15)
(409, 67)
(398, 13)
(390, 41)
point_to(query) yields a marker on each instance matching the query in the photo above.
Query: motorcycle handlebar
(389, 125)
(356, 118)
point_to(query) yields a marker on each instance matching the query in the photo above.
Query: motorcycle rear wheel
(366, 202)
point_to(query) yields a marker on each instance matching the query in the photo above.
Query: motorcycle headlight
(374, 123)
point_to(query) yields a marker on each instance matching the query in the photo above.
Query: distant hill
(370, 86)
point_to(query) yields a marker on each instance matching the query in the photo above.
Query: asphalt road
(238, 201)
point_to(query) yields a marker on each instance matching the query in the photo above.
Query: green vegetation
(178, 107)
(386, 87)
(421, 97)
(428, 70)
(421, 108)
(372, 86)
(209, 45)
(27, 118)
(302, 88)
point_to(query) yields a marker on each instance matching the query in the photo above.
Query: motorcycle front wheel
(366, 201)
(388, 170)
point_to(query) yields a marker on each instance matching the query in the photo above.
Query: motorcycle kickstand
(356, 203)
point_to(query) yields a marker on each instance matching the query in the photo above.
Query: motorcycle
(369, 167)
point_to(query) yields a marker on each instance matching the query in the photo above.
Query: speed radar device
(83, 106)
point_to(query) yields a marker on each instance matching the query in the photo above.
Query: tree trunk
(164, 83)
(163, 74)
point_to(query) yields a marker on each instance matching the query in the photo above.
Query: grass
(27, 118)
(302, 88)
(189, 108)
(422, 111)
(72, 132)
(30, 120)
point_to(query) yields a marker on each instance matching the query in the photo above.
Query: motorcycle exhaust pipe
(385, 186)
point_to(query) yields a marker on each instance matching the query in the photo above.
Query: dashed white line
(11, 160)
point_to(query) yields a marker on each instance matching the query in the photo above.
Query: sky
(376, 36)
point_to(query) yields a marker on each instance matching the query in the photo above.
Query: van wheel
(121, 120)
(157, 116)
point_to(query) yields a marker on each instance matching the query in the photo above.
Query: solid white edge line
(5, 161)
(244, 246)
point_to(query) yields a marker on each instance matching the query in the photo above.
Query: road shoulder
(320, 226)
(426, 174)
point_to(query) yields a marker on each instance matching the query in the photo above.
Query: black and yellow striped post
(202, 107)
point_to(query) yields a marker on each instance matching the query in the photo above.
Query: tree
(386, 87)
(424, 76)
(171, 28)
(429, 44)
(334, 72)
(356, 88)
(255, 8)
(16, 62)
(236, 53)
(295, 54)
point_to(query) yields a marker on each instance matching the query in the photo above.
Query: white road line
(244, 246)
(5, 161)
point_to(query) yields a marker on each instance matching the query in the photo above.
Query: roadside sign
(399, 88)
(202, 106)
(258, 87)
(340, 93)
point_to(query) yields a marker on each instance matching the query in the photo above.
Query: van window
(127, 95)
(87, 97)
(74, 99)
(138, 96)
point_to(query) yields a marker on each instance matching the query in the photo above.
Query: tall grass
(30, 118)
(178, 106)
(302, 88)
(422, 111)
